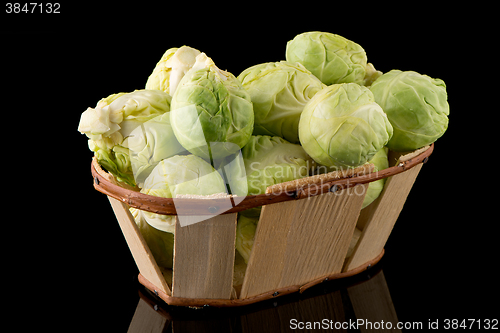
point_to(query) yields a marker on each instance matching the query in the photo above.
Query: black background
(71, 263)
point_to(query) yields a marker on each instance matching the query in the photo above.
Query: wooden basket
(305, 235)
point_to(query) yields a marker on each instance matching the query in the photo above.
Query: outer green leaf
(416, 105)
(331, 58)
(279, 92)
(212, 115)
(342, 126)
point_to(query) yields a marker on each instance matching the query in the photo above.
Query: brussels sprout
(342, 126)
(381, 162)
(180, 175)
(113, 119)
(149, 143)
(332, 58)
(232, 169)
(416, 105)
(245, 233)
(279, 92)
(272, 160)
(212, 114)
(171, 68)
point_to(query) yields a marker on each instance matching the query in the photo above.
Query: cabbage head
(188, 174)
(279, 92)
(245, 233)
(331, 58)
(212, 114)
(416, 105)
(343, 127)
(111, 122)
(271, 160)
(171, 68)
(381, 162)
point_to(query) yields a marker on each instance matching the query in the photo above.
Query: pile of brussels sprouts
(197, 129)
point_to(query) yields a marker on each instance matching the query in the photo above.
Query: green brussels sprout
(212, 114)
(149, 143)
(111, 122)
(245, 233)
(171, 68)
(273, 160)
(279, 92)
(331, 58)
(416, 106)
(179, 175)
(343, 127)
(381, 162)
(232, 169)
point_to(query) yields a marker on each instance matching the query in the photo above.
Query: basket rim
(191, 206)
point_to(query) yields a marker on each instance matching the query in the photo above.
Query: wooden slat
(140, 251)
(204, 258)
(299, 241)
(378, 219)
(354, 241)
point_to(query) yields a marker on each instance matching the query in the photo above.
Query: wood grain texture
(204, 258)
(378, 219)
(140, 251)
(299, 241)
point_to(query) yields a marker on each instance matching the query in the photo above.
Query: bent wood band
(297, 189)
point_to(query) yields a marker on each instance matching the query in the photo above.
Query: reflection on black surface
(334, 306)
